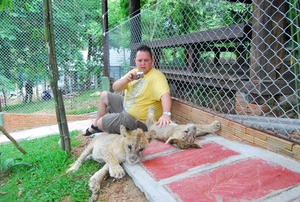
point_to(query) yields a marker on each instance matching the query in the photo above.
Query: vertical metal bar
(105, 37)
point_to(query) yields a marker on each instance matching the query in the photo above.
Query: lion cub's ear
(196, 145)
(123, 130)
(150, 135)
(174, 141)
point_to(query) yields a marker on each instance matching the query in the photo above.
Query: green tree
(21, 38)
(77, 27)
(5, 4)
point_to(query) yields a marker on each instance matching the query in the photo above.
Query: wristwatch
(167, 113)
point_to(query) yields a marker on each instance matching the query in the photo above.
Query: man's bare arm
(166, 102)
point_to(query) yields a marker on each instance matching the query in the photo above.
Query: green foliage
(172, 18)
(119, 11)
(5, 84)
(199, 95)
(77, 27)
(5, 4)
(124, 8)
(46, 179)
(9, 164)
(293, 15)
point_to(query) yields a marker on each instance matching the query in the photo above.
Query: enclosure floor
(222, 170)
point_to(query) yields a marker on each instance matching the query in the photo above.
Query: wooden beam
(231, 33)
(268, 39)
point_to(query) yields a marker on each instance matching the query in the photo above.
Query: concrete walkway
(222, 170)
(44, 131)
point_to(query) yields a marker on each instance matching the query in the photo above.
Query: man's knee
(103, 94)
(103, 97)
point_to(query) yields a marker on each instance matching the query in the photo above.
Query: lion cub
(181, 136)
(113, 149)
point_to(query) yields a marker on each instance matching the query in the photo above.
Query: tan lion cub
(181, 136)
(113, 149)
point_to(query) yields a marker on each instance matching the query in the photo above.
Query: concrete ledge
(236, 131)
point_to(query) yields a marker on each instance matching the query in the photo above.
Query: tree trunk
(105, 37)
(12, 140)
(59, 104)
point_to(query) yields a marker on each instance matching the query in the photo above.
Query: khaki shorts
(116, 116)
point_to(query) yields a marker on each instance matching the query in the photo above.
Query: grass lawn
(45, 180)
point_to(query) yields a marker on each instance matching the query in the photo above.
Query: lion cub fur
(113, 149)
(181, 136)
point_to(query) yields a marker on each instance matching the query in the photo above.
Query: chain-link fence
(238, 60)
(24, 73)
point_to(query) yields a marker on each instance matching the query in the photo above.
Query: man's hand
(164, 120)
(130, 77)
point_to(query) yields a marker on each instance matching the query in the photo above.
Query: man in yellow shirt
(151, 89)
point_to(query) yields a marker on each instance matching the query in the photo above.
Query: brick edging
(236, 131)
(16, 122)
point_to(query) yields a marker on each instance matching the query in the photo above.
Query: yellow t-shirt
(145, 92)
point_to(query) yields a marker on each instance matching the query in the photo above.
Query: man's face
(143, 61)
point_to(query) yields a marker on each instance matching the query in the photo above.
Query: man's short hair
(144, 48)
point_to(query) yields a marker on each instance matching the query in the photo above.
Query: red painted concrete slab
(243, 181)
(155, 147)
(169, 165)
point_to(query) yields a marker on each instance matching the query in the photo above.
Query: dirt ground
(121, 190)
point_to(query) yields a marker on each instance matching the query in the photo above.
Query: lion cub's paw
(116, 171)
(216, 126)
(151, 110)
(72, 169)
(94, 186)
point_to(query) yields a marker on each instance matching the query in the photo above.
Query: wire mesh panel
(24, 73)
(238, 59)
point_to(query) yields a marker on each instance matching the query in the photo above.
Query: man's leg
(111, 122)
(30, 97)
(26, 98)
(108, 103)
(102, 104)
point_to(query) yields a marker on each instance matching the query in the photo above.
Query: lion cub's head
(184, 137)
(136, 142)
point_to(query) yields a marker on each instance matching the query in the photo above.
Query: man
(132, 109)
(29, 92)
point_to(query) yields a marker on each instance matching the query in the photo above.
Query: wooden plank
(229, 82)
(230, 33)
